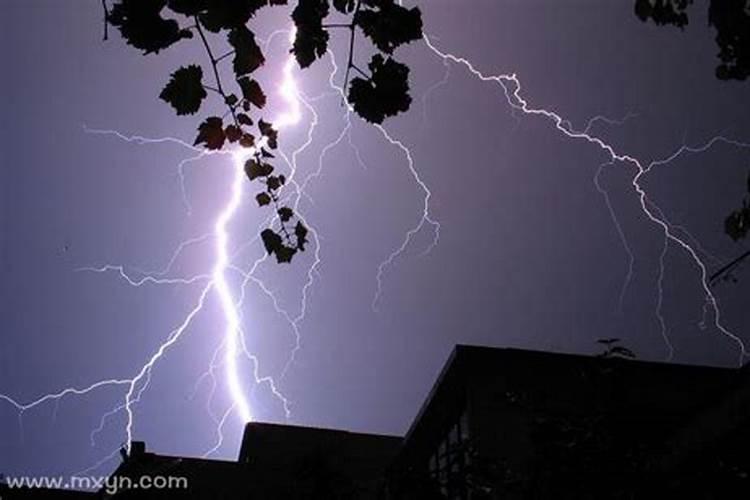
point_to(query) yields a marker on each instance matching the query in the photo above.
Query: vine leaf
(263, 199)
(233, 133)
(390, 25)
(285, 214)
(255, 169)
(141, 25)
(247, 54)
(243, 119)
(275, 245)
(344, 6)
(300, 231)
(229, 14)
(737, 224)
(270, 133)
(252, 92)
(385, 94)
(247, 140)
(311, 41)
(185, 91)
(188, 7)
(663, 13)
(211, 133)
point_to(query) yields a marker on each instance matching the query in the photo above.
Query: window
(448, 465)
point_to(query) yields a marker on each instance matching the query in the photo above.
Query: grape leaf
(211, 133)
(311, 41)
(275, 245)
(188, 7)
(141, 25)
(185, 91)
(737, 224)
(247, 140)
(263, 199)
(254, 169)
(243, 119)
(385, 94)
(229, 14)
(285, 214)
(390, 25)
(270, 133)
(233, 133)
(252, 92)
(344, 6)
(300, 231)
(247, 54)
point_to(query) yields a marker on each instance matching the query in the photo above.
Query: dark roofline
(250, 425)
(462, 350)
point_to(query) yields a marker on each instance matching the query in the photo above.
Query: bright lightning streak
(234, 343)
(225, 295)
(511, 87)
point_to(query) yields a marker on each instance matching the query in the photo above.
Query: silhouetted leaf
(211, 133)
(344, 6)
(300, 231)
(737, 224)
(390, 25)
(231, 100)
(228, 14)
(141, 25)
(243, 119)
(731, 18)
(247, 55)
(663, 12)
(285, 254)
(275, 245)
(188, 7)
(252, 92)
(285, 214)
(385, 94)
(271, 240)
(254, 169)
(247, 140)
(270, 133)
(266, 154)
(233, 133)
(263, 199)
(273, 183)
(311, 41)
(185, 91)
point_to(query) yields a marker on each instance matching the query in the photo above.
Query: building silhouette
(501, 423)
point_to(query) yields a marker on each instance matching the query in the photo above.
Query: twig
(728, 267)
(106, 20)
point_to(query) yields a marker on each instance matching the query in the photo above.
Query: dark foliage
(731, 18)
(153, 25)
(389, 25)
(142, 26)
(185, 90)
(385, 94)
(312, 40)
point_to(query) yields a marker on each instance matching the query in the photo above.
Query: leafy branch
(155, 25)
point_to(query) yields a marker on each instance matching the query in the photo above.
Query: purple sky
(528, 254)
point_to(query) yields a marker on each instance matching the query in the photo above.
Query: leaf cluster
(737, 223)
(730, 18)
(385, 91)
(155, 25)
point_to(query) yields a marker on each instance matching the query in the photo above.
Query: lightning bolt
(512, 90)
(233, 346)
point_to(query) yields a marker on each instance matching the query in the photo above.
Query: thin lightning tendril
(511, 87)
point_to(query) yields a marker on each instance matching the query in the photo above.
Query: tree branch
(726, 269)
(214, 66)
(353, 32)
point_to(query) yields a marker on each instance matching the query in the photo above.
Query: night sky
(528, 254)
